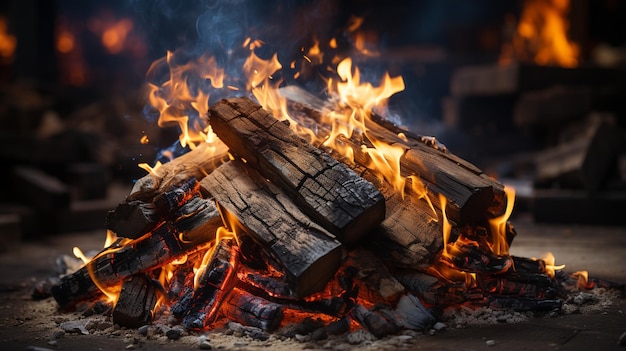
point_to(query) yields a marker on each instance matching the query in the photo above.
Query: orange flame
(176, 99)
(498, 242)
(8, 42)
(551, 266)
(541, 35)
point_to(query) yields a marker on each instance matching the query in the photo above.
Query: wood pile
(285, 229)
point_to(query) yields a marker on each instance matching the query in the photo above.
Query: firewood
(41, 190)
(197, 223)
(471, 194)
(309, 254)
(136, 302)
(379, 322)
(247, 309)
(584, 162)
(134, 218)
(326, 190)
(214, 284)
(197, 163)
(495, 79)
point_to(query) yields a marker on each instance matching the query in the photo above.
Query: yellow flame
(583, 279)
(445, 224)
(551, 266)
(498, 241)
(175, 98)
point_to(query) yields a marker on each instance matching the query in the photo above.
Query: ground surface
(600, 250)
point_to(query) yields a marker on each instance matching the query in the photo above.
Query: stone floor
(599, 250)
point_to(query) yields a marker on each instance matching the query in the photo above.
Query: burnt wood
(136, 302)
(495, 79)
(308, 254)
(214, 284)
(196, 225)
(326, 190)
(134, 218)
(247, 309)
(471, 194)
(584, 161)
(196, 163)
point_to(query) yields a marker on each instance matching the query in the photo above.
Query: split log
(196, 225)
(471, 194)
(136, 302)
(214, 284)
(39, 189)
(326, 190)
(582, 162)
(247, 309)
(134, 218)
(308, 254)
(197, 163)
(497, 79)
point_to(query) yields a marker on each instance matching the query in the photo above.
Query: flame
(583, 280)
(315, 55)
(551, 266)
(498, 242)
(541, 35)
(355, 102)
(179, 102)
(8, 42)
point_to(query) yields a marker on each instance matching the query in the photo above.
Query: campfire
(283, 203)
(285, 206)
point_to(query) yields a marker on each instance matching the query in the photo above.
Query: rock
(173, 334)
(58, 334)
(302, 338)
(205, 345)
(490, 342)
(143, 330)
(74, 327)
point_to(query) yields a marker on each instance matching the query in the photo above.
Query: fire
(8, 42)
(541, 35)
(551, 266)
(498, 243)
(181, 102)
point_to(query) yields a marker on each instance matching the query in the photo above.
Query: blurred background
(531, 91)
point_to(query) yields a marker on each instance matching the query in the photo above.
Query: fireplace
(301, 212)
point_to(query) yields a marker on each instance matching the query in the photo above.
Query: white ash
(462, 316)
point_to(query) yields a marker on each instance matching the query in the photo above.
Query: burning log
(251, 310)
(136, 302)
(195, 225)
(309, 255)
(214, 284)
(471, 194)
(196, 163)
(134, 218)
(326, 190)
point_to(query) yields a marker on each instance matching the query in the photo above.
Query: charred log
(247, 309)
(308, 254)
(471, 194)
(213, 285)
(326, 190)
(196, 225)
(136, 302)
